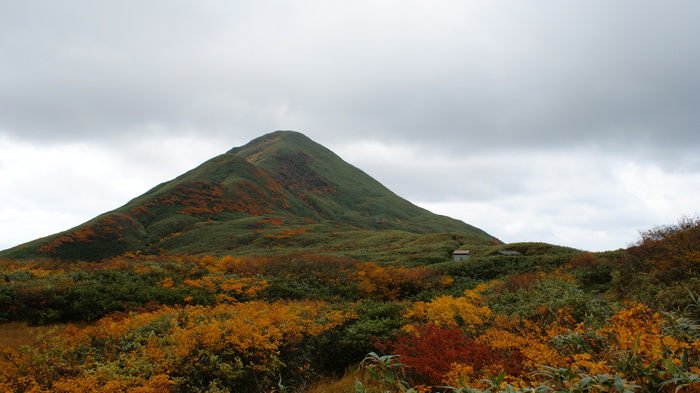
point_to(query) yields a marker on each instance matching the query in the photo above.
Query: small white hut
(459, 255)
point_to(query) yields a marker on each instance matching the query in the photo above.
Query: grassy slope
(280, 192)
(356, 197)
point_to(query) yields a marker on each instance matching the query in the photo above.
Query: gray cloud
(535, 74)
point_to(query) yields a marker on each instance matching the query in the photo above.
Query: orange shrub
(241, 346)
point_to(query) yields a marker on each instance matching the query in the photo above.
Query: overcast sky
(575, 123)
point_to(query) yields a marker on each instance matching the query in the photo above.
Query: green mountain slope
(278, 193)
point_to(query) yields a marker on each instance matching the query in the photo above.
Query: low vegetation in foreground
(550, 320)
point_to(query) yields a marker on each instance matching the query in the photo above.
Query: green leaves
(680, 379)
(386, 370)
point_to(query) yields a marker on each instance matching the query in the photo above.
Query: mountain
(281, 192)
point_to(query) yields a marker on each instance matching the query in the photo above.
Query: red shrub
(430, 351)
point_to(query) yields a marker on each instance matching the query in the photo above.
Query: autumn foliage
(439, 355)
(671, 252)
(184, 323)
(109, 228)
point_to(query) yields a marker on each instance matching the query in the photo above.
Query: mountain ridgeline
(280, 193)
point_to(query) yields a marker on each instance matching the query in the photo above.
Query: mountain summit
(281, 191)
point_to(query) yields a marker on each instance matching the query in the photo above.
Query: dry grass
(345, 384)
(16, 334)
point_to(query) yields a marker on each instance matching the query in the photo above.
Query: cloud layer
(568, 122)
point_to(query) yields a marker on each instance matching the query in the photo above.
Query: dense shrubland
(551, 320)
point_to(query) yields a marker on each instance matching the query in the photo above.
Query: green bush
(542, 298)
(376, 321)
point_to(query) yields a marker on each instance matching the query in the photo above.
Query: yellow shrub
(448, 311)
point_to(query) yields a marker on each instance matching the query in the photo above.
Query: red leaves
(432, 351)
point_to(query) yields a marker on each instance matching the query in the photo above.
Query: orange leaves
(140, 211)
(530, 338)
(230, 287)
(202, 199)
(285, 234)
(273, 221)
(639, 330)
(167, 282)
(589, 365)
(252, 200)
(115, 384)
(391, 283)
(107, 228)
(172, 349)
(291, 232)
(199, 198)
(82, 235)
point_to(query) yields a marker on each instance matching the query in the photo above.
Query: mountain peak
(286, 137)
(280, 190)
(276, 144)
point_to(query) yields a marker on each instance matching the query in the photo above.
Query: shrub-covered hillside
(551, 319)
(279, 193)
